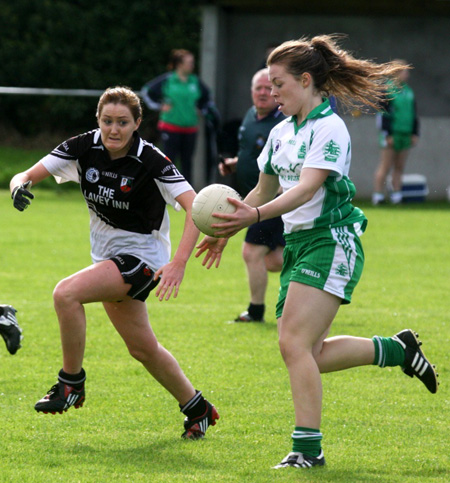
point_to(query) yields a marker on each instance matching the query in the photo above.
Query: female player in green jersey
(308, 155)
(399, 132)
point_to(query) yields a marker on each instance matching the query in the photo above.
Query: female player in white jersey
(126, 183)
(308, 155)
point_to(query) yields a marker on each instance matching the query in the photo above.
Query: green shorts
(329, 259)
(402, 141)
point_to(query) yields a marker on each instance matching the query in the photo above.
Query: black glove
(20, 196)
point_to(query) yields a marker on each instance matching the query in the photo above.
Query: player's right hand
(227, 165)
(213, 248)
(20, 195)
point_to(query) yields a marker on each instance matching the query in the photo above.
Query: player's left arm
(265, 190)
(311, 179)
(328, 153)
(21, 183)
(172, 274)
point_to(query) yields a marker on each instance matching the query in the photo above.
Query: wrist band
(259, 214)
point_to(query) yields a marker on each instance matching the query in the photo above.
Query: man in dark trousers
(263, 246)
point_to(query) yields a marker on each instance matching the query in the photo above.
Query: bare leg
(274, 260)
(253, 256)
(307, 316)
(343, 352)
(398, 168)
(259, 260)
(102, 281)
(385, 165)
(130, 319)
(303, 329)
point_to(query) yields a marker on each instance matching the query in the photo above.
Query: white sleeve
(170, 191)
(63, 170)
(330, 148)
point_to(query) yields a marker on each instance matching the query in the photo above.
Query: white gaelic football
(212, 199)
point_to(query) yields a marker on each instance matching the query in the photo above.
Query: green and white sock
(388, 352)
(306, 441)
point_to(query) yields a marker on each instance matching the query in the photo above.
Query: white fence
(39, 91)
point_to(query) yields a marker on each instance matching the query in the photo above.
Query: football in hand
(212, 199)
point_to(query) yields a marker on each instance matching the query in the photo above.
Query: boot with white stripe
(60, 398)
(9, 328)
(416, 364)
(300, 460)
(196, 428)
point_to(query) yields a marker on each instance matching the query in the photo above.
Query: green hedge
(14, 160)
(80, 44)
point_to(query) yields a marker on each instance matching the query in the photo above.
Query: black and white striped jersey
(127, 197)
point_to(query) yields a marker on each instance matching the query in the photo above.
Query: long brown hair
(355, 82)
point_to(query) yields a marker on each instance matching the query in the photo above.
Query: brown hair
(354, 82)
(176, 57)
(121, 95)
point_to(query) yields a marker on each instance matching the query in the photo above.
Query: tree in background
(80, 44)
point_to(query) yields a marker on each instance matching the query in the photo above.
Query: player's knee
(144, 353)
(274, 261)
(291, 347)
(252, 254)
(62, 295)
(287, 348)
(139, 354)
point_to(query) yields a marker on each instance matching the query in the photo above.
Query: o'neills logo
(311, 273)
(125, 184)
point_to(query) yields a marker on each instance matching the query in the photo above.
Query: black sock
(74, 380)
(195, 407)
(256, 311)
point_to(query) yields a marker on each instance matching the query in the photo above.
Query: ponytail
(355, 82)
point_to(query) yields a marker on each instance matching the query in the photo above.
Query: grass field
(378, 424)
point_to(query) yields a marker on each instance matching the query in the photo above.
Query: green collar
(322, 110)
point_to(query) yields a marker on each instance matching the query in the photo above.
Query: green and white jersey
(321, 141)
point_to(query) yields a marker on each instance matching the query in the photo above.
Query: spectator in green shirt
(399, 130)
(179, 95)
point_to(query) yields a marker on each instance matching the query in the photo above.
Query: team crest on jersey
(92, 175)
(125, 184)
(277, 146)
(301, 154)
(331, 151)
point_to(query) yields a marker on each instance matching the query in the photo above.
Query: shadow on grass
(174, 459)
(165, 456)
(328, 474)
(269, 325)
